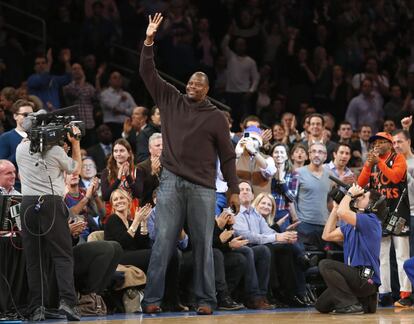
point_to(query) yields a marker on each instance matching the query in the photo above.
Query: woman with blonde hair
(120, 173)
(289, 258)
(132, 234)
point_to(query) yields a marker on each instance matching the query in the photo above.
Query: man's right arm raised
(156, 86)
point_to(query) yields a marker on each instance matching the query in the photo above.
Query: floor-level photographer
(353, 285)
(44, 219)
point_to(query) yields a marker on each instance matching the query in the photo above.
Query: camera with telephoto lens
(48, 129)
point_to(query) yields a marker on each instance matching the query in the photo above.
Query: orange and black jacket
(389, 177)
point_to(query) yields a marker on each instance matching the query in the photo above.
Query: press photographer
(45, 232)
(353, 285)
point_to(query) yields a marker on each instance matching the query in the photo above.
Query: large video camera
(48, 129)
(337, 193)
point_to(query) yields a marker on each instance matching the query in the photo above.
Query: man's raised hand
(152, 27)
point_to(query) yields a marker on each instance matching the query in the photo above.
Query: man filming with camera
(45, 228)
(353, 285)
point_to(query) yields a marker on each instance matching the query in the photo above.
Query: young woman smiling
(120, 173)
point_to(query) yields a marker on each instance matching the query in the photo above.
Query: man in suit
(101, 151)
(360, 146)
(134, 125)
(149, 170)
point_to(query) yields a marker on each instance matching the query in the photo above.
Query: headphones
(378, 208)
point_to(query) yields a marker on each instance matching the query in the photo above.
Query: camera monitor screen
(10, 212)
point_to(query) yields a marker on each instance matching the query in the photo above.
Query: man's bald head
(7, 174)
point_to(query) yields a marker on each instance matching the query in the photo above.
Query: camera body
(49, 129)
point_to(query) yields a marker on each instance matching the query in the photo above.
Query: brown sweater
(193, 133)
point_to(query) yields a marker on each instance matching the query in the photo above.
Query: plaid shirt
(285, 193)
(85, 96)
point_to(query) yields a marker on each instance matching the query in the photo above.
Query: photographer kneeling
(353, 285)
(45, 229)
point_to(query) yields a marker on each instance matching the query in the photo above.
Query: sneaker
(71, 312)
(37, 315)
(349, 310)
(404, 302)
(228, 304)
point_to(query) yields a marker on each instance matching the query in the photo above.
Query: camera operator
(45, 228)
(353, 285)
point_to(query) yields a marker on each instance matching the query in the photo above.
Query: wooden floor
(383, 316)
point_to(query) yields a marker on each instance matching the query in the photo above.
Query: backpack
(92, 305)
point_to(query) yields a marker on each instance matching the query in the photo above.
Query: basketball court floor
(310, 315)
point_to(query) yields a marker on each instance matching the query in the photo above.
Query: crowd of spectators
(299, 76)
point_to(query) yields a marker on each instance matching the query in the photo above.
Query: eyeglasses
(317, 152)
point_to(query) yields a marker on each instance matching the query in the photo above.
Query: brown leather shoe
(152, 309)
(204, 310)
(259, 303)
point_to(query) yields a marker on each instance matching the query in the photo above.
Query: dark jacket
(193, 133)
(142, 141)
(149, 182)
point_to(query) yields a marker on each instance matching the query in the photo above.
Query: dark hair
(288, 163)
(152, 111)
(112, 166)
(342, 144)
(21, 103)
(298, 145)
(318, 116)
(250, 118)
(344, 122)
(248, 182)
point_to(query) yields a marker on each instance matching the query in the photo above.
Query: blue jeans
(179, 200)
(257, 270)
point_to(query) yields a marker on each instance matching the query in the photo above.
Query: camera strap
(401, 199)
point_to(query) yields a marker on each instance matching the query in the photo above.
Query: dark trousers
(95, 263)
(256, 272)
(283, 269)
(229, 268)
(345, 286)
(46, 233)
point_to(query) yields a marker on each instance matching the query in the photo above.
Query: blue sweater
(46, 87)
(8, 144)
